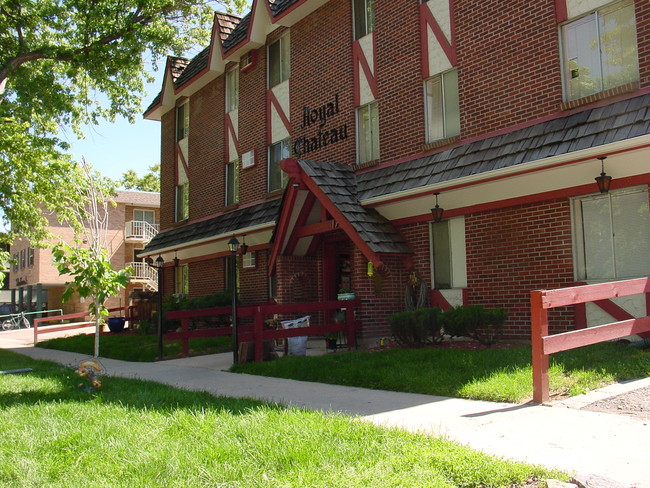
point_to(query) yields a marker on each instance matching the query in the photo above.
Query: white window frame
(611, 236)
(282, 63)
(249, 260)
(363, 24)
(183, 121)
(274, 165)
(591, 22)
(232, 182)
(148, 215)
(232, 90)
(368, 137)
(442, 120)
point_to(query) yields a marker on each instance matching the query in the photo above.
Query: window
(600, 51)
(248, 260)
(232, 182)
(182, 121)
(441, 251)
(442, 108)
(30, 256)
(182, 280)
(23, 258)
(612, 235)
(182, 202)
(367, 133)
(232, 90)
(277, 152)
(144, 216)
(279, 61)
(248, 159)
(16, 256)
(364, 17)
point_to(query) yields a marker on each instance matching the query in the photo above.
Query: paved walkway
(557, 436)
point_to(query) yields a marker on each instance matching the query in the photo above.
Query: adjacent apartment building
(36, 284)
(369, 144)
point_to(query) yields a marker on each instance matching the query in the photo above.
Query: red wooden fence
(258, 333)
(544, 345)
(38, 322)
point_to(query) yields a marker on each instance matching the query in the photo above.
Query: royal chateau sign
(317, 119)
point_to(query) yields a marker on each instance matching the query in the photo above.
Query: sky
(114, 148)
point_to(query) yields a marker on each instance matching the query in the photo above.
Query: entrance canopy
(321, 199)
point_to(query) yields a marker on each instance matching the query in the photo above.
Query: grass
(135, 347)
(134, 433)
(488, 374)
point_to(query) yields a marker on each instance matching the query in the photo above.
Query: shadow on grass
(53, 383)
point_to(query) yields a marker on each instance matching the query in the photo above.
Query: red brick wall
(206, 150)
(513, 251)
(254, 282)
(509, 69)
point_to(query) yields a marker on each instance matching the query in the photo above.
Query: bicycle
(17, 321)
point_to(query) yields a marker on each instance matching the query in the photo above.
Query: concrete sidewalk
(577, 441)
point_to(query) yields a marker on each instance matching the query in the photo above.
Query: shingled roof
(594, 127)
(338, 183)
(266, 212)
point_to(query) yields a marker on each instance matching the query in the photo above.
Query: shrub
(416, 327)
(475, 321)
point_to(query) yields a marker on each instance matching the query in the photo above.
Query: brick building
(322, 133)
(133, 221)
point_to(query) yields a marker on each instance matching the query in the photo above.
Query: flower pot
(116, 324)
(346, 296)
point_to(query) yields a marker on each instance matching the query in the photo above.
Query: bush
(475, 321)
(416, 327)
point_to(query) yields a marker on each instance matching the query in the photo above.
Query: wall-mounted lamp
(437, 211)
(244, 246)
(603, 181)
(176, 260)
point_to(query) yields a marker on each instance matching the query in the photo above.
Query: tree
(88, 261)
(149, 182)
(56, 56)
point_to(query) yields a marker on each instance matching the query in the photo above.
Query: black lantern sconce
(603, 181)
(437, 211)
(244, 246)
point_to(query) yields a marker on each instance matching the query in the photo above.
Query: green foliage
(490, 374)
(177, 302)
(139, 433)
(149, 182)
(55, 58)
(416, 327)
(475, 321)
(92, 275)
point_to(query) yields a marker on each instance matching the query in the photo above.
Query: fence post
(185, 341)
(258, 331)
(539, 330)
(35, 327)
(351, 327)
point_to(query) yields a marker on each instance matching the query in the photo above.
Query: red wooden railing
(544, 345)
(129, 316)
(258, 333)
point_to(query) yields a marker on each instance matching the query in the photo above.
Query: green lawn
(488, 374)
(133, 433)
(134, 347)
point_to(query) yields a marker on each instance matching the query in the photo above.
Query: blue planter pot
(116, 324)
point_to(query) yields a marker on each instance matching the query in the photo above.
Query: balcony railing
(145, 274)
(139, 230)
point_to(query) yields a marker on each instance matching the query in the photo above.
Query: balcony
(139, 231)
(145, 275)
